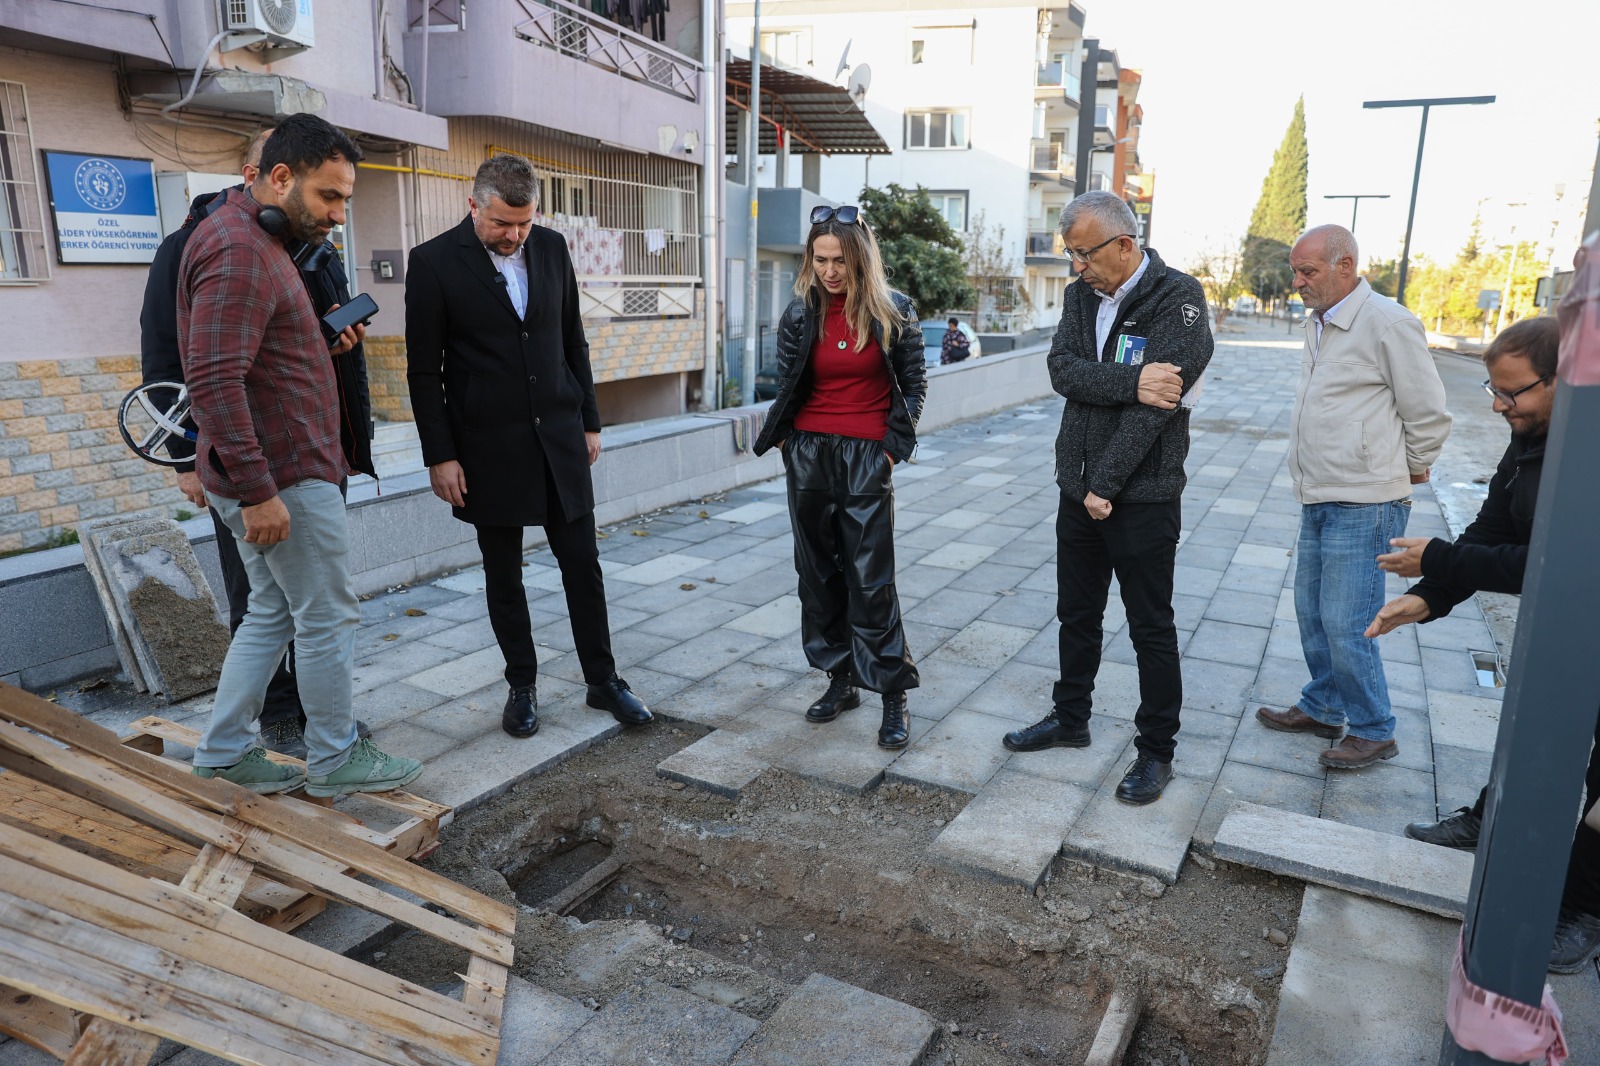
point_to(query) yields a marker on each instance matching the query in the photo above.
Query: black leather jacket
(908, 381)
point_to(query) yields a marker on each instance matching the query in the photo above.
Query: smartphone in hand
(341, 318)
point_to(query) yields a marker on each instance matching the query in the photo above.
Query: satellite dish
(844, 60)
(860, 78)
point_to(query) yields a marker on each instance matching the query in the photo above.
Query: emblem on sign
(100, 184)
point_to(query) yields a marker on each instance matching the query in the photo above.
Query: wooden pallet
(102, 958)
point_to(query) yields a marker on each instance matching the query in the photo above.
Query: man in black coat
(1491, 555)
(1128, 356)
(505, 407)
(326, 284)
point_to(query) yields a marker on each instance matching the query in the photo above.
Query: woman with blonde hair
(850, 389)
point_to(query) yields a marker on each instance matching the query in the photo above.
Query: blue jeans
(299, 591)
(1338, 588)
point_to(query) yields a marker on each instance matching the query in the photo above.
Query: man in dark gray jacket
(1133, 343)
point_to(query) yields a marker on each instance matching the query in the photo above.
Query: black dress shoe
(521, 716)
(841, 696)
(895, 732)
(614, 695)
(1144, 781)
(1458, 830)
(1047, 733)
(1577, 941)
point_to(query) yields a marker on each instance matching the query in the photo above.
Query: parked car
(933, 341)
(1244, 305)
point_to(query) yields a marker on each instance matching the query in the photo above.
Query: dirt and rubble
(739, 900)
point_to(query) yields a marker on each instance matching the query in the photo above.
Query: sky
(1221, 79)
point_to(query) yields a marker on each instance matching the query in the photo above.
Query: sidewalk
(706, 623)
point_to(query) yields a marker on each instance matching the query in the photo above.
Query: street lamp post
(1416, 177)
(1511, 269)
(1355, 199)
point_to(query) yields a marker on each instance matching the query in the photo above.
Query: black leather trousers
(841, 506)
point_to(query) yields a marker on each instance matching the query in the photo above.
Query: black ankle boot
(896, 729)
(841, 696)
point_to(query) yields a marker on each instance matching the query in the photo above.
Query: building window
(937, 129)
(1099, 181)
(943, 46)
(952, 206)
(23, 256)
(786, 48)
(1102, 116)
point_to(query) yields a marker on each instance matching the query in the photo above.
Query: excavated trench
(622, 876)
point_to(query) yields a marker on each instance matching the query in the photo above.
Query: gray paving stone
(1214, 686)
(1243, 608)
(960, 753)
(701, 656)
(774, 619)
(1360, 958)
(1464, 721)
(653, 1024)
(1013, 829)
(1202, 557)
(986, 644)
(1085, 767)
(1380, 865)
(394, 702)
(1203, 742)
(1452, 670)
(1383, 797)
(415, 742)
(824, 1020)
(480, 770)
(723, 763)
(1226, 642)
(1455, 633)
(1193, 581)
(1241, 782)
(397, 664)
(1292, 752)
(1459, 774)
(1152, 839)
(1244, 578)
(534, 1022)
(843, 754)
(1017, 692)
(692, 619)
(726, 694)
(950, 608)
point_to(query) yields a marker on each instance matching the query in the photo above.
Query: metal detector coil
(153, 415)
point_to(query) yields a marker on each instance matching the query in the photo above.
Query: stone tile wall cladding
(61, 457)
(63, 461)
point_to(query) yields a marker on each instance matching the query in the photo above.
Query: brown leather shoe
(1294, 720)
(1352, 753)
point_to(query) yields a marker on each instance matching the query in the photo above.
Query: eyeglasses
(1510, 398)
(843, 215)
(1083, 257)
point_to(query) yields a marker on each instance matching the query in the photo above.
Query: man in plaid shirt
(266, 401)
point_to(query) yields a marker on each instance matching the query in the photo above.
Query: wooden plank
(37, 1022)
(484, 989)
(72, 772)
(221, 796)
(137, 894)
(106, 1043)
(583, 887)
(146, 743)
(49, 936)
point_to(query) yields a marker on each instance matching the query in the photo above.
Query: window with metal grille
(639, 301)
(24, 257)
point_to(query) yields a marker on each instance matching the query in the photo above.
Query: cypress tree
(1280, 213)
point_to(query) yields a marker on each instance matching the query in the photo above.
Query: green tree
(1384, 276)
(1221, 273)
(922, 255)
(1280, 213)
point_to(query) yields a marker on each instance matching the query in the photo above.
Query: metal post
(713, 91)
(747, 373)
(1355, 199)
(1511, 269)
(1548, 718)
(1416, 176)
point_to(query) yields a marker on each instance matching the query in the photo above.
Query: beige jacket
(1369, 411)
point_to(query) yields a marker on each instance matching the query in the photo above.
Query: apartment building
(114, 112)
(995, 106)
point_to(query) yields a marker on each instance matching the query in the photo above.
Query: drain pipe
(713, 87)
(199, 69)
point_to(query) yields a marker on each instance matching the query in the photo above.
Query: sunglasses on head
(845, 215)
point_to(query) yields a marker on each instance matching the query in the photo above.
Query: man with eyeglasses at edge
(1128, 356)
(1491, 555)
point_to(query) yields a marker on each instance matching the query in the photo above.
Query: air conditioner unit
(275, 24)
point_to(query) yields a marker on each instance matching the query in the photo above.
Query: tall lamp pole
(752, 265)
(1416, 177)
(1355, 199)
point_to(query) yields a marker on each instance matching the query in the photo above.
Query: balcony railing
(576, 32)
(1045, 242)
(1058, 76)
(1052, 159)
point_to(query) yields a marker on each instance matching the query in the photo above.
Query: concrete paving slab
(1241, 782)
(843, 754)
(1295, 753)
(462, 673)
(1463, 721)
(1203, 742)
(958, 555)
(986, 644)
(1392, 868)
(1152, 839)
(1366, 982)
(1012, 831)
(1227, 642)
(700, 657)
(653, 1024)
(1458, 775)
(534, 1022)
(823, 1021)
(777, 618)
(1017, 692)
(1084, 767)
(960, 753)
(751, 513)
(1267, 556)
(1214, 686)
(1383, 797)
(662, 568)
(479, 770)
(723, 763)
(726, 694)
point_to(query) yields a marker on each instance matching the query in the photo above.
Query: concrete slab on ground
(654, 1024)
(1366, 983)
(1152, 839)
(1013, 829)
(534, 1022)
(824, 1020)
(1391, 868)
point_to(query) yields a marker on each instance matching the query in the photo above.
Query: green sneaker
(257, 773)
(367, 770)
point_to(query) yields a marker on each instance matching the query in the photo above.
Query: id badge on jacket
(1130, 350)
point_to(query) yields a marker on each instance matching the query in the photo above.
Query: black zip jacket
(158, 337)
(908, 380)
(1492, 553)
(1110, 444)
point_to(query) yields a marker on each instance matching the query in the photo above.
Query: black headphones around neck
(307, 257)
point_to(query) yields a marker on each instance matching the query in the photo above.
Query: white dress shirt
(514, 268)
(1320, 318)
(1106, 317)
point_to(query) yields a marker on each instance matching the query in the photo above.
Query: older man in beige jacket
(1369, 421)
